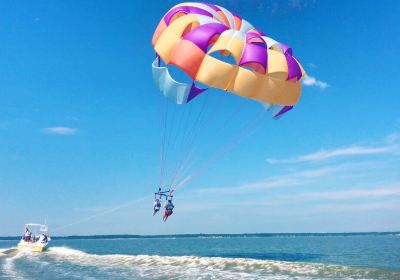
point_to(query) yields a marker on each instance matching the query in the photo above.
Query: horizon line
(183, 235)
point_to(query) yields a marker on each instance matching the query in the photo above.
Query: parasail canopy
(194, 36)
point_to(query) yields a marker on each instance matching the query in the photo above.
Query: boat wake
(184, 267)
(76, 264)
(8, 264)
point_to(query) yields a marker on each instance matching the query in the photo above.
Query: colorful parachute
(190, 34)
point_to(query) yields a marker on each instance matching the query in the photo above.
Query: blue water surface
(346, 256)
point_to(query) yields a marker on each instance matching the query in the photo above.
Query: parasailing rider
(157, 201)
(156, 205)
(169, 207)
(158, 197)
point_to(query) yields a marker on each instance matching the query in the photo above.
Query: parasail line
(108, 211)
(224, 149)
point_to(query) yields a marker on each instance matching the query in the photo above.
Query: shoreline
(208, 235)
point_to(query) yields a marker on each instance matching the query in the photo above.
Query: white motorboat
(35, 238)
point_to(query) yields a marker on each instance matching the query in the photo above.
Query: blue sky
(79, 134)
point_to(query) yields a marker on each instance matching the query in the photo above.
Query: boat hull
(33, 247)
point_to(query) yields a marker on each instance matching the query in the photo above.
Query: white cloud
(282, 181)
(358, 207)
(269, 183)
(61, 130)
(393, 137)
(304, 177)
(319, 172)
(353, 194)
(340, 152)
(313, 82)
(298, 4)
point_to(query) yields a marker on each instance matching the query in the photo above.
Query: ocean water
(339, 256)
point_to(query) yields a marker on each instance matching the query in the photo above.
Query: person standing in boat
(42, 238)
(27, 235)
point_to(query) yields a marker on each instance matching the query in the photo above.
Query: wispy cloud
(298, 4)
(340, 152)
(313, 82)
(312, 65)
(353, 194)
(358, 207)
(325, 186)
(60, 130)
(392, 137)
(292, 179)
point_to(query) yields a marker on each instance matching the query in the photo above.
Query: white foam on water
(193, 267)
(8, 267)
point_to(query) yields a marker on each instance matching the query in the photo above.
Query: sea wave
(194, 267)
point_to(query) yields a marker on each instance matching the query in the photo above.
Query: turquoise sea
(256, 256)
